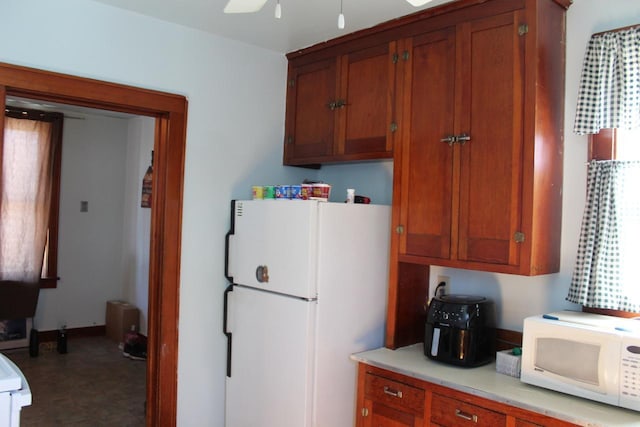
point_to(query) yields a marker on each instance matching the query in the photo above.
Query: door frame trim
(170, 113)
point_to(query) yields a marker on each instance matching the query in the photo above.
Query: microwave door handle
(228, 334)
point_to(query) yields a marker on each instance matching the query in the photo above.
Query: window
(608, 104)
(619, 144)
(31, 149)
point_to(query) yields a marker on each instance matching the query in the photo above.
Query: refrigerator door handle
(227, 239)
(224, 327)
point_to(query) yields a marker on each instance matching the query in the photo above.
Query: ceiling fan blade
(244, 6)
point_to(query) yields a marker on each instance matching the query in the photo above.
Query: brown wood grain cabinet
(468, 97)
(478, 157)
(480, 177)
(389, 399)
(341, 108)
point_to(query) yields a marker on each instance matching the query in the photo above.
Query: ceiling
(303, 22)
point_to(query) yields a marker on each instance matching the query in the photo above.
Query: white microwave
(587, 355)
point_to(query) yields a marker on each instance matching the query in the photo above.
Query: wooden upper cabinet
(310, 119)
(367, 88)
(341, 108)
(490, 112)
(468, 98)
(481, 160)
(426, 181)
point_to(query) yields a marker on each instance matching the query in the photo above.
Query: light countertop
(485, 382)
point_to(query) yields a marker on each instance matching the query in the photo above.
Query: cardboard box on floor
(120, 316)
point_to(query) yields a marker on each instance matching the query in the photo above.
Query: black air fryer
(460, 330)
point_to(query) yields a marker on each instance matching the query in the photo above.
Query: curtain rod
(617, 30)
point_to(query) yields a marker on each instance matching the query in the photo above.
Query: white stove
(14, 393)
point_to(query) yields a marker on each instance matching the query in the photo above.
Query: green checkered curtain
(609, 94)
(606, 271)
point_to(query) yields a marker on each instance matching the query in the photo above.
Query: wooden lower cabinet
(390, 403)
(389, 399)
(446, 411)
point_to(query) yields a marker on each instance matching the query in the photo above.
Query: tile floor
(91, 385)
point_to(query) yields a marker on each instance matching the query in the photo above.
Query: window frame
(57, 121)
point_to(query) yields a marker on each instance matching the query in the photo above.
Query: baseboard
(88, 331)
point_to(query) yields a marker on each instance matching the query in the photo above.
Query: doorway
(170, 113)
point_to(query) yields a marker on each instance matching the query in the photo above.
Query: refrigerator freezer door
(271, 359)
(272, 246)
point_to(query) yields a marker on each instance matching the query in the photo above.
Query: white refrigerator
(14, 393)
(308, 288)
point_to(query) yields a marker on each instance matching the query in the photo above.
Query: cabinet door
(490, 110)
(311, 114)
(427, 163)
(367, 92)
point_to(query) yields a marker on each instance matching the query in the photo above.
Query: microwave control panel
(630, 373)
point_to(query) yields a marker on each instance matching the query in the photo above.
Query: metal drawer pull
(466, 416)
(392, 392)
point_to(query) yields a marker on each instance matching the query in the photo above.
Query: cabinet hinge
(518, 236)
(289, 140)
(405, 55)
(400, 229)
(394, 58)
(393, 127)
(365, 412)
(523, 29)
(292, 82)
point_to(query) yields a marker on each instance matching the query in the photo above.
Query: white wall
(234, 140)
(516, 296)
(89, 247)
(103, 162)
(137, 220)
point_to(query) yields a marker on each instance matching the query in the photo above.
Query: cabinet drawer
(393, 393)
(524, 423)
(451, 412)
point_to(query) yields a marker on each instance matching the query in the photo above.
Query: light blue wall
(372, 179)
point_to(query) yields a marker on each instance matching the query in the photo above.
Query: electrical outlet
(444, 290)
